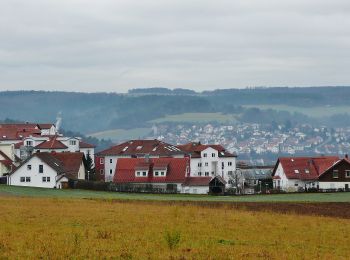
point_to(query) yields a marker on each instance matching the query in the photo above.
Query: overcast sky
(113, 45)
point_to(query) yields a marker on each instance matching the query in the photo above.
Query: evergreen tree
(90, 173)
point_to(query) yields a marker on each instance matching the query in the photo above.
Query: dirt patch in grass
(325, 209)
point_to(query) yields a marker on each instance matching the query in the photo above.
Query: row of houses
(37, 155)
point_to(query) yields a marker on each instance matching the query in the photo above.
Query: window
(296, 185)
(296, 171)
(138, 174)
(213, 155)
(206, 173)
(347, 173)
(27, 179)
(156, 173)
(335, 174)
(144, 173)
(230, 173)
(307, 171)
(139, 147)
(110, 171)
(41, 168)
(29, 167)
(29, 143)
(72, 142)
(102, 161)
(47, 179)
(102, 171)
(162, 173)
(204, 155)
(23, 179)
(206, 164)
(199, 173)
(199, 164)
(222, 165)
(212, 173)
(229, 163)
(110, 160)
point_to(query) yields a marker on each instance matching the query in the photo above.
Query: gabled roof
(197, 181)
(126, 168)
(141, 148)
(63, 163)
(85, 145)
(305, 168)
(52, 143)
(346, 160)
(195, 149)
(21, 130)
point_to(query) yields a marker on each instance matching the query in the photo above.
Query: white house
(49, 170)
(294, 173)
(210, 161)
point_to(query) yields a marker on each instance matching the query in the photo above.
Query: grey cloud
(112, 45)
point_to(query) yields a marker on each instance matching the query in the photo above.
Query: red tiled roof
(195, 149)
(143, 147)
(305, 168)
(126, 167)
(20, 131)
(70, 161)
(85, 145)
(18, 145)
(52, 143)
(197, 181)
(6, 160)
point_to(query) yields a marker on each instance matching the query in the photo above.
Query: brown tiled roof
(143, 147)
(195, 149)
(52, 143)
(85, 145)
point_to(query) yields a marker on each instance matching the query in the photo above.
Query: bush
(172, 238)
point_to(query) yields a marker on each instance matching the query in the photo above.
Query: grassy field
(61, 228)
(122, 134)
(309, 111)
(196, 118)
(297, 197)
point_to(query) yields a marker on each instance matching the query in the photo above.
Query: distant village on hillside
(177, 160)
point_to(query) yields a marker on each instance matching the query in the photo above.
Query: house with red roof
(299, 173)
(210, 160)
(107, 159)
(165, 174)
(49, 170)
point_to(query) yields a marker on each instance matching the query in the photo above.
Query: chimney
(346, 156)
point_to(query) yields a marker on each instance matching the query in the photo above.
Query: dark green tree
(90, 173)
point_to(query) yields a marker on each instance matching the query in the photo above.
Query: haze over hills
(140, 108)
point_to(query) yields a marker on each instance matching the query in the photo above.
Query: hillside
(98, 112)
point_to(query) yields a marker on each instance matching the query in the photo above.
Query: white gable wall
(35, 176)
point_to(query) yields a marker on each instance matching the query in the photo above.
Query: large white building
(107, 160)
(210, 160)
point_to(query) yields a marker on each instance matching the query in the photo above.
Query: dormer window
(125, 148)
(159, 172)
(296, 171)
(141, 173)
(139, 147)
(29, 143)
(72, 142)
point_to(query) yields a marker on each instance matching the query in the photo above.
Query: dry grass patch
(34, 228)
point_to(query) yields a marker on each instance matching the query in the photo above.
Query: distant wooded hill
(92, 112)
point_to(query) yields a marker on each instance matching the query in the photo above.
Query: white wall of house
(195, 189)
(36, 178)
(81, 173)
(333, 185)
(210, 164)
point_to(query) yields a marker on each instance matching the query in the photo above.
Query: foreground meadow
(57, 228)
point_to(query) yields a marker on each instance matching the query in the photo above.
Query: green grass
(296, 197)
(309, 111)
(122, 134)
(196, 118)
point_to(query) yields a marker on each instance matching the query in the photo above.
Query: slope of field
(297, 197)
(57, 228)
(197, 118)
(122, 134)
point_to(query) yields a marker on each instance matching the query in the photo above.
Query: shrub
(172, 239)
